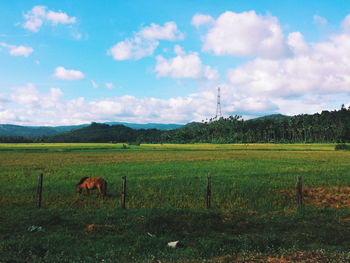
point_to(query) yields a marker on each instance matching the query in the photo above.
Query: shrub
(125, 146)
(342, 146)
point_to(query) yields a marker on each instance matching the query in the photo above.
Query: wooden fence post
(123, 196)
(39, 190)
(209, 192)
(299, 189)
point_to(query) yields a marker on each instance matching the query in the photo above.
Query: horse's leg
(87, 190)
(100, 190)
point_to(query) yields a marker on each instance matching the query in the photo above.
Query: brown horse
(89, 183)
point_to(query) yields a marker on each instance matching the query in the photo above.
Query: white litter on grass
(173, 244)
(151, 235)
(35, 228)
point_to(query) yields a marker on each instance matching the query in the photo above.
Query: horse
(89, 183)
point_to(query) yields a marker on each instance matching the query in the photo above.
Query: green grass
(166, 188)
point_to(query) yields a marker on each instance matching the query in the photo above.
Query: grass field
(253, 210)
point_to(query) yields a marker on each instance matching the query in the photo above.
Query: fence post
(123, 196)
(209, 192)
(39, 190)
(299, 189)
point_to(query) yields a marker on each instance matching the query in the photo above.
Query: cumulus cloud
(319, 20)
(3, 99)
(110, 85)
(304, 78)
(346, 24)
(251, 106)
(184, 65)
(168, 32)
(29, 96)
(245, 34)
(145, 41)
(59, 18)
(94, 84)
(317, 68)
(68, 74)
(38, 15)
(297, 44)
(125, 108)
(135, 48)
(31, 107)
(17, 50)
(200, 19)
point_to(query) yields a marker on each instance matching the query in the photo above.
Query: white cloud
(319, 20)
(8, 116)
(17, 50)
(31, 107)
(250, 106)
(135, 48)
(110, 85)
(60, 18)
(29, 97)
(200, 19)
(346, 24)
(38, 15)
(313, 77)
(3, 101)
(168, 32)
(245, 34)
(21, 51)
(184, 66)
(67, 74)
(77, 36)
(145, 41)
(322, 68)
(94, 84)
(34, 18)
(297, 43)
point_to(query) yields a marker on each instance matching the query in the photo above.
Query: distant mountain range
(38, 131)
(327, 126)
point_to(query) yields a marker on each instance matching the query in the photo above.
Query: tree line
(327, 126)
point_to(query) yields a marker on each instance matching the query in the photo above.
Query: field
(254, 213)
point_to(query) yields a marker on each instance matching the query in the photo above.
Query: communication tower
(218, 106)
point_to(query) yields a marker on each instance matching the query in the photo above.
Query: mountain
(158, 126)
(96, 132)
(102, 132)
(39, 131)
(26, 131)
(272, 117)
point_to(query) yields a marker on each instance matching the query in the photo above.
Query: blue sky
(72, 62)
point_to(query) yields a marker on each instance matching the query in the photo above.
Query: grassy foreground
(253, 212)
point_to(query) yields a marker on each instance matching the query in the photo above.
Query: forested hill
(16, 130)
(39, 131)
(98, 132)
(328, 126)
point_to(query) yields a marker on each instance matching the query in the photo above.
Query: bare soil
(330, 196)
(292, 256)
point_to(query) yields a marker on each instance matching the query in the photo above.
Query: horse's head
(79, 186)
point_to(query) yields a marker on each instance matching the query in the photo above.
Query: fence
(123, 196)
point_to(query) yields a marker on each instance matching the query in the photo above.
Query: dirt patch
(289, 257)
(95, 227)
(331, 196)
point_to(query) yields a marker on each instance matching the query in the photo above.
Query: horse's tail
(82, 180)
